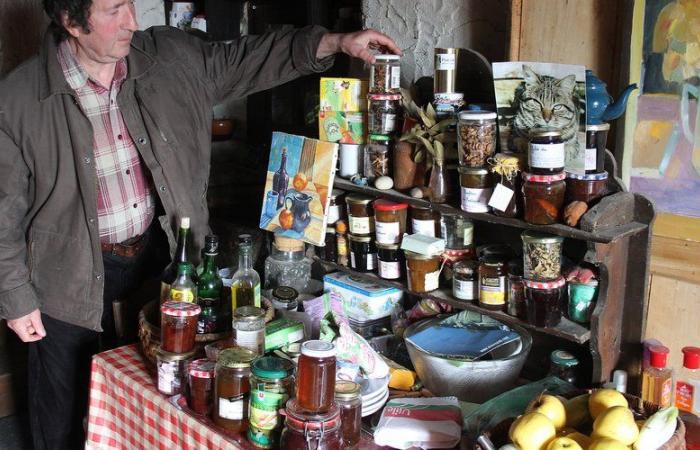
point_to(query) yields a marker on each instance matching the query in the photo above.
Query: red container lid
(180, 309)
(544, 178)
(202, 368)
(384, 96)
(545, 285)
(386, 205)
(658, 353)
(691, 357)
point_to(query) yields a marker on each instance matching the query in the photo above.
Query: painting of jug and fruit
(299, 177)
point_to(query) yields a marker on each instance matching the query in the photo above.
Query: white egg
(416, 192)
(384, 183)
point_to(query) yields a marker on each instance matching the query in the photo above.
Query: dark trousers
(59, 364)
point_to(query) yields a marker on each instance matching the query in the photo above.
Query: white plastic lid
(477, 115)
(185, 222)
(318, 349)
(387, 57)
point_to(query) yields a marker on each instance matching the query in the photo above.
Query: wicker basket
(498, 436)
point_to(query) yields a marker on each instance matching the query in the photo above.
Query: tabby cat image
(545, 101)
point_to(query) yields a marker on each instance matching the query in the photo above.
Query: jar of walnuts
(476, 136)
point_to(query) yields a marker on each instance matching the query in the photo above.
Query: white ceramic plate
(373, 388)
(376, 406)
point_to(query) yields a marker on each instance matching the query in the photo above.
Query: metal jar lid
(588, 177)
(356, 199)
(285, 294)
(534, 237)
(357, 238)
(168, 356)
(272, 367)
(236, 358)
(563, 358)
(346, 390)
(202, 368)
(545, 285)
(248, 313)
(473, 170)
(180, 309)
(545, 132)
(318, 349)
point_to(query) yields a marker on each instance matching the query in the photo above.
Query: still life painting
(299, 177)
(542, 95)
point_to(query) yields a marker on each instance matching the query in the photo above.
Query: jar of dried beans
(476, 137)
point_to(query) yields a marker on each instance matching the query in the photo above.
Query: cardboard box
(343, 94)
(281, 332)
(362, 299)
(341, 126)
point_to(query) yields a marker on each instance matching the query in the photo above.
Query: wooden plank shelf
(605, 236)
(567, 329)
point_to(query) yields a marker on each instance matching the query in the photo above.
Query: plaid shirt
(125, 198)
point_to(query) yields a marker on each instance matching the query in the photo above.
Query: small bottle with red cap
(657, 379)
(688, 383)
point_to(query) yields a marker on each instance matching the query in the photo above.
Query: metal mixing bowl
(470, 381)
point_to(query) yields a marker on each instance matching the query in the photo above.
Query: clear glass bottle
(245, 284)
(288, 265)
(183, 289)
(209, 289)
(657, 379)
(688, 384)
(438, 184)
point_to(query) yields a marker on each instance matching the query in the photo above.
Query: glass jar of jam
(201, 386)
(377, 157)
(543, 299)
(425, 221)
(316, 377)
(389, 261)
(546, 152)
(476, 137)
(327, 251)
(172, 371)
(517, 306)
(476, 188)
(492, 284)
(349, 400)
(363, 253)
(360, 214)
(231, 388)
(588, 188)
(507, 198)
(541, 256)
(543, 198)
(423, 271)
(383, 113)
(284, 298)
(596, 138)
(335, 206)
(271, 385)
(249, 328)
(389, 221)
(457, 231)
(178, 326)
(564, 366)
(310, 431)
(465, 280)
(385, 74)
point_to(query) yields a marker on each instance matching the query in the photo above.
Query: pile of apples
(554, 423)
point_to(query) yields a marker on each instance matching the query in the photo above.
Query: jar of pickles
(425, 221)
(310, 431)
(172, 371)
(249, 328)
(232, 388)
(389, 261)
(349, 400)
(271, 385)
(383, 114)
(476, 137)
(360, 214)
(201, 377)
(492, 284)
(423, 271)
(543, 197)
(363, 253)
(542, 255)
(544, 302)
(546, 152)
(465, 280)
(385, 74)
(588, 188)
(476, 188)
(316, 377)
(389, 221)
(178, 326)
(377, 157)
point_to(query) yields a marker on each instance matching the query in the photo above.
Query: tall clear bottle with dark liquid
(181, 256)
(245, 285)
(280, 180)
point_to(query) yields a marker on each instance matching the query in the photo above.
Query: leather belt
(127, 249)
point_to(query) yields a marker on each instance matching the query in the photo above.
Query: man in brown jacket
(104, 142)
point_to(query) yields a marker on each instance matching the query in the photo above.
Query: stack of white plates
(375, 392)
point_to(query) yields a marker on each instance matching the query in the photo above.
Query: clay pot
(404, 166)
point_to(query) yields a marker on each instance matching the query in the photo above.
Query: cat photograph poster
(542, 95)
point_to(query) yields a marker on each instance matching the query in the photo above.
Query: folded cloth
(434, 422)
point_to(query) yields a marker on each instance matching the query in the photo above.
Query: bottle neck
(208, 264)
(245, 261)
(181, 251)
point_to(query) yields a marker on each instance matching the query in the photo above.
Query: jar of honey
(389, 221)
(232, 388)
(349, 400)
(360, 214)
(178, 326)
(423, 271)
(316, 377)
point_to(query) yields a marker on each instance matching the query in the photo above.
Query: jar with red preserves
(316, 376)
(310, 431)
(544, 304)
(178, 326)
(543, 198)
(588, 188)
(201, 386)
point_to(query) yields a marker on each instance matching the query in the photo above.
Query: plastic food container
(363, 300)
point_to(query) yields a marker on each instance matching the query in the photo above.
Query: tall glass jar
(377, 160)
(385, 75)
(316, 376)
(384, 112)
(543, 197)
(178, 326)
(349, 400)
(232, 388)
(288, 265)
(249, 328)
(476, 137)
(271, 385)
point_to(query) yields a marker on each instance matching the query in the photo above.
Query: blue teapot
(599, 105)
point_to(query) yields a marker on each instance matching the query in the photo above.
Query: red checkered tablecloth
(127, 411)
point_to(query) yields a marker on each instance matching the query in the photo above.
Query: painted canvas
(299, 177)
(535, 95)
(662, 140)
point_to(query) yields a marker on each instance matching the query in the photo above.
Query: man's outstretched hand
(357, 44)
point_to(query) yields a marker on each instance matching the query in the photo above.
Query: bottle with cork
(688, 383)
(657, 379)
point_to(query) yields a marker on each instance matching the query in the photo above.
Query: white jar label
(432, 280)
(591, 158)
(395, 77)
(424, 227)
(476, 200)
(500, 199)
(168, 383)
(445, 61)
(464, 290)
(360, 225)
(389, 122)
(233, 408)
(253, 340)
(387, 232)
(389, 270)
(371, 261)
(547, 156)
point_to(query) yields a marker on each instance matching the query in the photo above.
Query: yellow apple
(532, 431)
(582, 440)
(603, 399)
(551, 407)
(563, 443)
(616, 423)
(607, 444)
(577, 411)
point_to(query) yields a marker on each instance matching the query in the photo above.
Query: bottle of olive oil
(245, 285)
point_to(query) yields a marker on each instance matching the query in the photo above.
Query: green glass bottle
(245, 285)
(181, 256)
(183, 289)
(209, 289)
